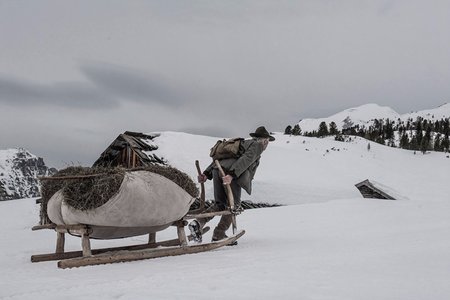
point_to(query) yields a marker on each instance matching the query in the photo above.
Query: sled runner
(149, 214)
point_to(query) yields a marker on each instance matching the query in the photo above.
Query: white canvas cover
(145, 202)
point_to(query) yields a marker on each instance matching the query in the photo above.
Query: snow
(327, 243)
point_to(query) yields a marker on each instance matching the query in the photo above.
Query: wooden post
(182, 235)
(152, 238)
(60, 241)
(86, 244)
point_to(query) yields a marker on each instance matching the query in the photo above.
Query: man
(240, 172)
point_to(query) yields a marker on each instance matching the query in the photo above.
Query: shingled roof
(369, 190)
(130, 150)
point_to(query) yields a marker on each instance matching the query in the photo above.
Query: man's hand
(227, 179)
(202, 178)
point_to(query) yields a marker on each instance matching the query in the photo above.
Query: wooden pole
(202, 187)
(230, 197)
(72, 177)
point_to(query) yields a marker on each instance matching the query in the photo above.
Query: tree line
(420, 134)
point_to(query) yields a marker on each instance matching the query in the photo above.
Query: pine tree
(445, 144)
(414, 145)
(437, 143)
(333, 128)
(296, 130)
(424, 145)
(288, 130)
(323, 129)
(404, 141)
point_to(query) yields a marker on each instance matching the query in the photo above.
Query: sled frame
(152, 249)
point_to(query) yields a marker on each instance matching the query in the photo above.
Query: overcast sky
(75, 74)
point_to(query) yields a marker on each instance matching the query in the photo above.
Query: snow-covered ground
(328, 243)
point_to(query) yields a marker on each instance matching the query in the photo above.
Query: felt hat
(261, 132)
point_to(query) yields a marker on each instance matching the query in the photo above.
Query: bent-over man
(240, 172)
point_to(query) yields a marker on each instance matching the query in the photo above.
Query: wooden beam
(207, 215)
(45, 226)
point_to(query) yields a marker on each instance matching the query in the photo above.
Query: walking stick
(202, 188)
(230, 197)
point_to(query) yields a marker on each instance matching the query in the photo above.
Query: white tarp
(144, 200)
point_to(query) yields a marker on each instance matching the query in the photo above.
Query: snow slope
(329, 243)
(297, 169)
(364, 115)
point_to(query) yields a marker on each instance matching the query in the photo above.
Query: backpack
(226, 149)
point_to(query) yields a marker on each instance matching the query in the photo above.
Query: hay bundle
(89, 188)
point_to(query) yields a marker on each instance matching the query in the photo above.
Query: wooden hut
(130, 150)
(369, 190)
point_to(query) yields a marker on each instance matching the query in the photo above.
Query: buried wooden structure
(369, 190)
(153, 249)
(130, 150)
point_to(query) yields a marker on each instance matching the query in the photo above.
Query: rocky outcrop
(19, 172)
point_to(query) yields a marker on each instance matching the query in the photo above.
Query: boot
(196, 231)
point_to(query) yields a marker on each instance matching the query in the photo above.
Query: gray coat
(242, 169)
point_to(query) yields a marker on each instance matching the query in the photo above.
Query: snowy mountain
(19, 170)
(326, 243)
(365, 114)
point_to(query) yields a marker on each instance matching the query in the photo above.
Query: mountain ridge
(19, 172)
(364, 115)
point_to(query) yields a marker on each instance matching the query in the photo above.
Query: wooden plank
(125, 256)
(78, 229)
(207, 215)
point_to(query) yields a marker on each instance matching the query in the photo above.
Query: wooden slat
(71, 177)
(45, 226)
(207, 215)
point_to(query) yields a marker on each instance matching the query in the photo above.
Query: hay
(92, 192)
(175, 175)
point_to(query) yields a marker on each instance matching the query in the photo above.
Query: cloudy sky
(75, 74)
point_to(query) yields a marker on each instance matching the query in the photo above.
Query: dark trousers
(221, 203)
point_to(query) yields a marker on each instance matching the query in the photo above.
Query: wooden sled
(152, 249)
